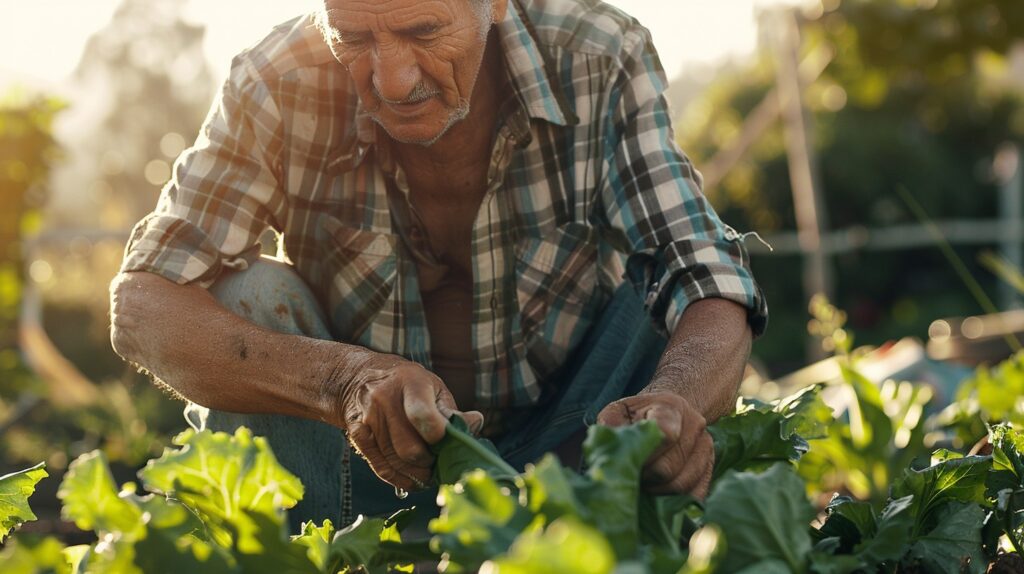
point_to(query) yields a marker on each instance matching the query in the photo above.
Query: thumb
(474, 420)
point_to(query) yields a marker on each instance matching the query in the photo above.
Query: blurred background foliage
(919, 94)
(75, 175)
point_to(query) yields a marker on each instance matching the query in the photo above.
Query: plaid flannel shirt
(584, 172)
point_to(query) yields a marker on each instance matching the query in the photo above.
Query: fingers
(616, 414)
(683, 470)
(427, 408)
(407, 444)
(680, 435)
(670, 422)
(684, 460)
(373, 440)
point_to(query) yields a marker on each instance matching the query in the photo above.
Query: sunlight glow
(41, 50)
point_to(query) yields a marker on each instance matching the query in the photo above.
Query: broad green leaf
(34, 555)
(15, 488)
(999, 389)
(460, 452)
(91, 499)
(273, 551)
(825, 563)
(1005, 482)
(615, 459)
(954, 545)
(356, 545)
(566, 545)
(317, 539)
(400, 556)
(77, 557)
(479, 520)
(958, 479)
(891, 535)
(806, 414)
(767, 567)
(111, 556)
(176, 540)
(943, 454)
(763, 517)
(871, 429)
(661, 521)
(752, 438)
(549, 490)
(1007, 459)
(226, 479)
(761, 434)
(848, 521)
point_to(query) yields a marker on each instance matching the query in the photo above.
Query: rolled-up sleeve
(224, 191)
(652, 194)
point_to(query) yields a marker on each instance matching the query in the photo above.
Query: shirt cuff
(179, 251)
(698, 269)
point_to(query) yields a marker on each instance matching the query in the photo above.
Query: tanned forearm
(207, 354)
(705, 357)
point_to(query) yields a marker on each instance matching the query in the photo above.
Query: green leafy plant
(15, 488)
(879, 431)
(217, 503)
(993, 395)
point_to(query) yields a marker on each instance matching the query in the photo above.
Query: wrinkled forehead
(349, 9)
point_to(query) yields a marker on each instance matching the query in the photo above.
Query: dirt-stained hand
(684, 461)
(392, 412)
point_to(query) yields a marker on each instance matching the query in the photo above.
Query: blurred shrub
(918, 94)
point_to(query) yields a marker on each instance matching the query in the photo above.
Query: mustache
(420, 93)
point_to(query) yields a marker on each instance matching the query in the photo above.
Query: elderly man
(458, 188)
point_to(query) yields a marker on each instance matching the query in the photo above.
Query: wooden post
(807, 199)
(1010, 175)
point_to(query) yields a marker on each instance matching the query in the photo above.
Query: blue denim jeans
(616, 359)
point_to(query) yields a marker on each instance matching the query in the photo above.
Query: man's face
(414, 62)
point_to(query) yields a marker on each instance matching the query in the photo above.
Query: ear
(498, 10)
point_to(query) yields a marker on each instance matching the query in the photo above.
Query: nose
(395, 71)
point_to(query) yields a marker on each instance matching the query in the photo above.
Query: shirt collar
(530, 68)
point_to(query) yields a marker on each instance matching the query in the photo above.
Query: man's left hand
(683, 463)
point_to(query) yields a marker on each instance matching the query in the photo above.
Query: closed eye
(423, 32)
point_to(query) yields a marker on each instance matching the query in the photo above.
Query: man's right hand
(392, 411)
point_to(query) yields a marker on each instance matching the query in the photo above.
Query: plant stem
(479, 449)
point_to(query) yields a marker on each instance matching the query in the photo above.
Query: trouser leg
(272, 295)
(617, 359)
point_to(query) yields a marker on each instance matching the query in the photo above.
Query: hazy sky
(41, 40)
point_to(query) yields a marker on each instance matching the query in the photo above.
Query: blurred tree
(143, 84)
(145, 87)
(919, 94)
(27, 153)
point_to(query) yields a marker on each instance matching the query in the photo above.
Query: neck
(470, 139)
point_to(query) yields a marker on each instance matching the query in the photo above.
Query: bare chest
(447, 209)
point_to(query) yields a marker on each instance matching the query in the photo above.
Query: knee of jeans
(271, 294)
